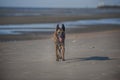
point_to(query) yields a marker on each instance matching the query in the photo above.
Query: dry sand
(89, 56)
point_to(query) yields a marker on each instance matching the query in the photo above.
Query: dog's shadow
(96, 58)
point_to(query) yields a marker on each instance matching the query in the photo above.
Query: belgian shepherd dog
(59, 40)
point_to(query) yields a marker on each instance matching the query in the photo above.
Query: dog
(59, 40)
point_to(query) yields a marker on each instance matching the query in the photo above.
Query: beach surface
(91, 54)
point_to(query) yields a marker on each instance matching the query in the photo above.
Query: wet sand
(46, 35)
(93, 54)
(52, 19)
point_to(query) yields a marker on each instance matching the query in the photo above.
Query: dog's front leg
(56, 51)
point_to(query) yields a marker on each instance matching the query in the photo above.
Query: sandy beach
(91, 54)
(92, 45)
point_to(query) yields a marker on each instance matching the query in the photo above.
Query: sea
(18, 29)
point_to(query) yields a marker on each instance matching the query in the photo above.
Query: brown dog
(59, 40)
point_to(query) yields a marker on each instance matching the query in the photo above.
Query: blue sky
(55, 3)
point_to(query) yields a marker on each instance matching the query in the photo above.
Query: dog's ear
(57, 27)
(63, 27)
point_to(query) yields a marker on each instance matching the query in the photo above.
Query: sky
(56, 3)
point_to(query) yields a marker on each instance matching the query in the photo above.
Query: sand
(93, 55)
(52, 19)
